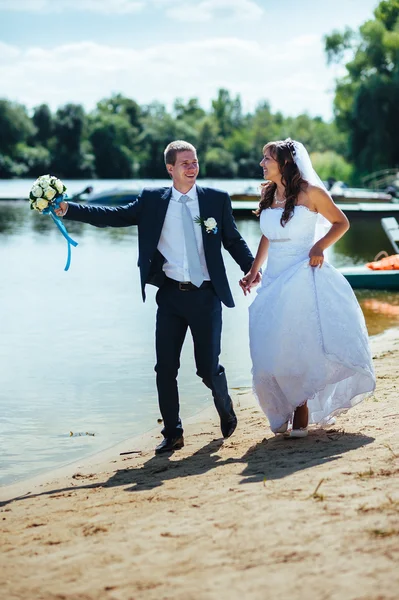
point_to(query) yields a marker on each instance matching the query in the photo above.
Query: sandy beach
(252, 517)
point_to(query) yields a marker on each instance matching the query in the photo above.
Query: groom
(181, 230)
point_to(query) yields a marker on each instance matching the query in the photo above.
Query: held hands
(61, 209)
(316, 256)
(249, 281)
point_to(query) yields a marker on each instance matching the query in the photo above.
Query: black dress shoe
(169, 444)
(228, 427)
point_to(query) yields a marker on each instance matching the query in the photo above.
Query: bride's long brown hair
(283, 152)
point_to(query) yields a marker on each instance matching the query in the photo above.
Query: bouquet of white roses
(45, 192)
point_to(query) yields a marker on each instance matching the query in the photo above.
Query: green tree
(265, 127)
(227, 112)
(122, 139)
(15, 125)
(220, 163)
(15, 128)
(112, 138)
(191, 112)
(123, 106)
(71, 156)
(159, 129)
(36, 160)
(43, 121)
(330, 164)
(366, 100)
(10, 167)
(208, 135)
(239, 144)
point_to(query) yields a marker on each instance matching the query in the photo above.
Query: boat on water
(352, 198)
(113, 197)
(361, 277)
(364, 277)
(340, 193)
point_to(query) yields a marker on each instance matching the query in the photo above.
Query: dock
(366, 209)
(246, 207)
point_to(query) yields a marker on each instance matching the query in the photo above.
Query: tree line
(366, 103)
(121, 139)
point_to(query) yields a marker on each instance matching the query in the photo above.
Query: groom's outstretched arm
(232, 240)
(105, 216)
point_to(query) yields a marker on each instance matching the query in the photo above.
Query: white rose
(59, 185)
(210, 223)
(41, 204)
(37, 191)
(50, 193)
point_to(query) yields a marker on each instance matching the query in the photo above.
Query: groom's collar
(192, 193)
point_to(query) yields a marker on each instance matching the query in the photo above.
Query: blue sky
(59, 51)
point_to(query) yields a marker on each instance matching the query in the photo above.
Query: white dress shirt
(171, 243)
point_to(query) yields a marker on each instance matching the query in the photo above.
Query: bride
(308, 339)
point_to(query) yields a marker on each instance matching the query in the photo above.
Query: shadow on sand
(274, 458)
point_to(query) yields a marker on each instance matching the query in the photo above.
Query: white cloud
(8, 52)
(207, 10)
(21, 5)
(294, 81)
(101, 6)
(179, 10)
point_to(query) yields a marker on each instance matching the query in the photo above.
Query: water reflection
(12, 217)
(381, 309)
(16, 217)
(361, 243)
(41, 224)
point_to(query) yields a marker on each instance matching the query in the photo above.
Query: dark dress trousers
(198, 309)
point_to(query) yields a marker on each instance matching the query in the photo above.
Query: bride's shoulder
(315, 190)
(314, 194)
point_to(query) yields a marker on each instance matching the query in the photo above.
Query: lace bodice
(289, 244)
(300, 229)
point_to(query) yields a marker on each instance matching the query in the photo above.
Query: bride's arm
(253, 276)
(261, 255)
(323, 204)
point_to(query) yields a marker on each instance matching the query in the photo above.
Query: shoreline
(97, 457)
(137, 444)
(254, 516)
(142, 442)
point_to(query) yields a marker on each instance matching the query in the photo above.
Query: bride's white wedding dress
(308, 337)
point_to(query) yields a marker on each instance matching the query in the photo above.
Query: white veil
(302, 160)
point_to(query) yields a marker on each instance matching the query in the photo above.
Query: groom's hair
(173, 148)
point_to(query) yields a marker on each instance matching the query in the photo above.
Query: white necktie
(193, 258)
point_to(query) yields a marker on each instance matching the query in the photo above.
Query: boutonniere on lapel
(210, 224)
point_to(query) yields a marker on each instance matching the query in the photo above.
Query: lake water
(77, 347)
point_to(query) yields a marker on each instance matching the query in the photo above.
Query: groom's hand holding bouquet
(46, 192)
(47, 196)
(61, 209)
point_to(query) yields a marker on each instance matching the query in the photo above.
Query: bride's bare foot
(301, 417)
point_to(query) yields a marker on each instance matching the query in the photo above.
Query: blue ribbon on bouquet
(50, 211)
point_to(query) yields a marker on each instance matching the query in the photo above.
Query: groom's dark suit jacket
(148, 213)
